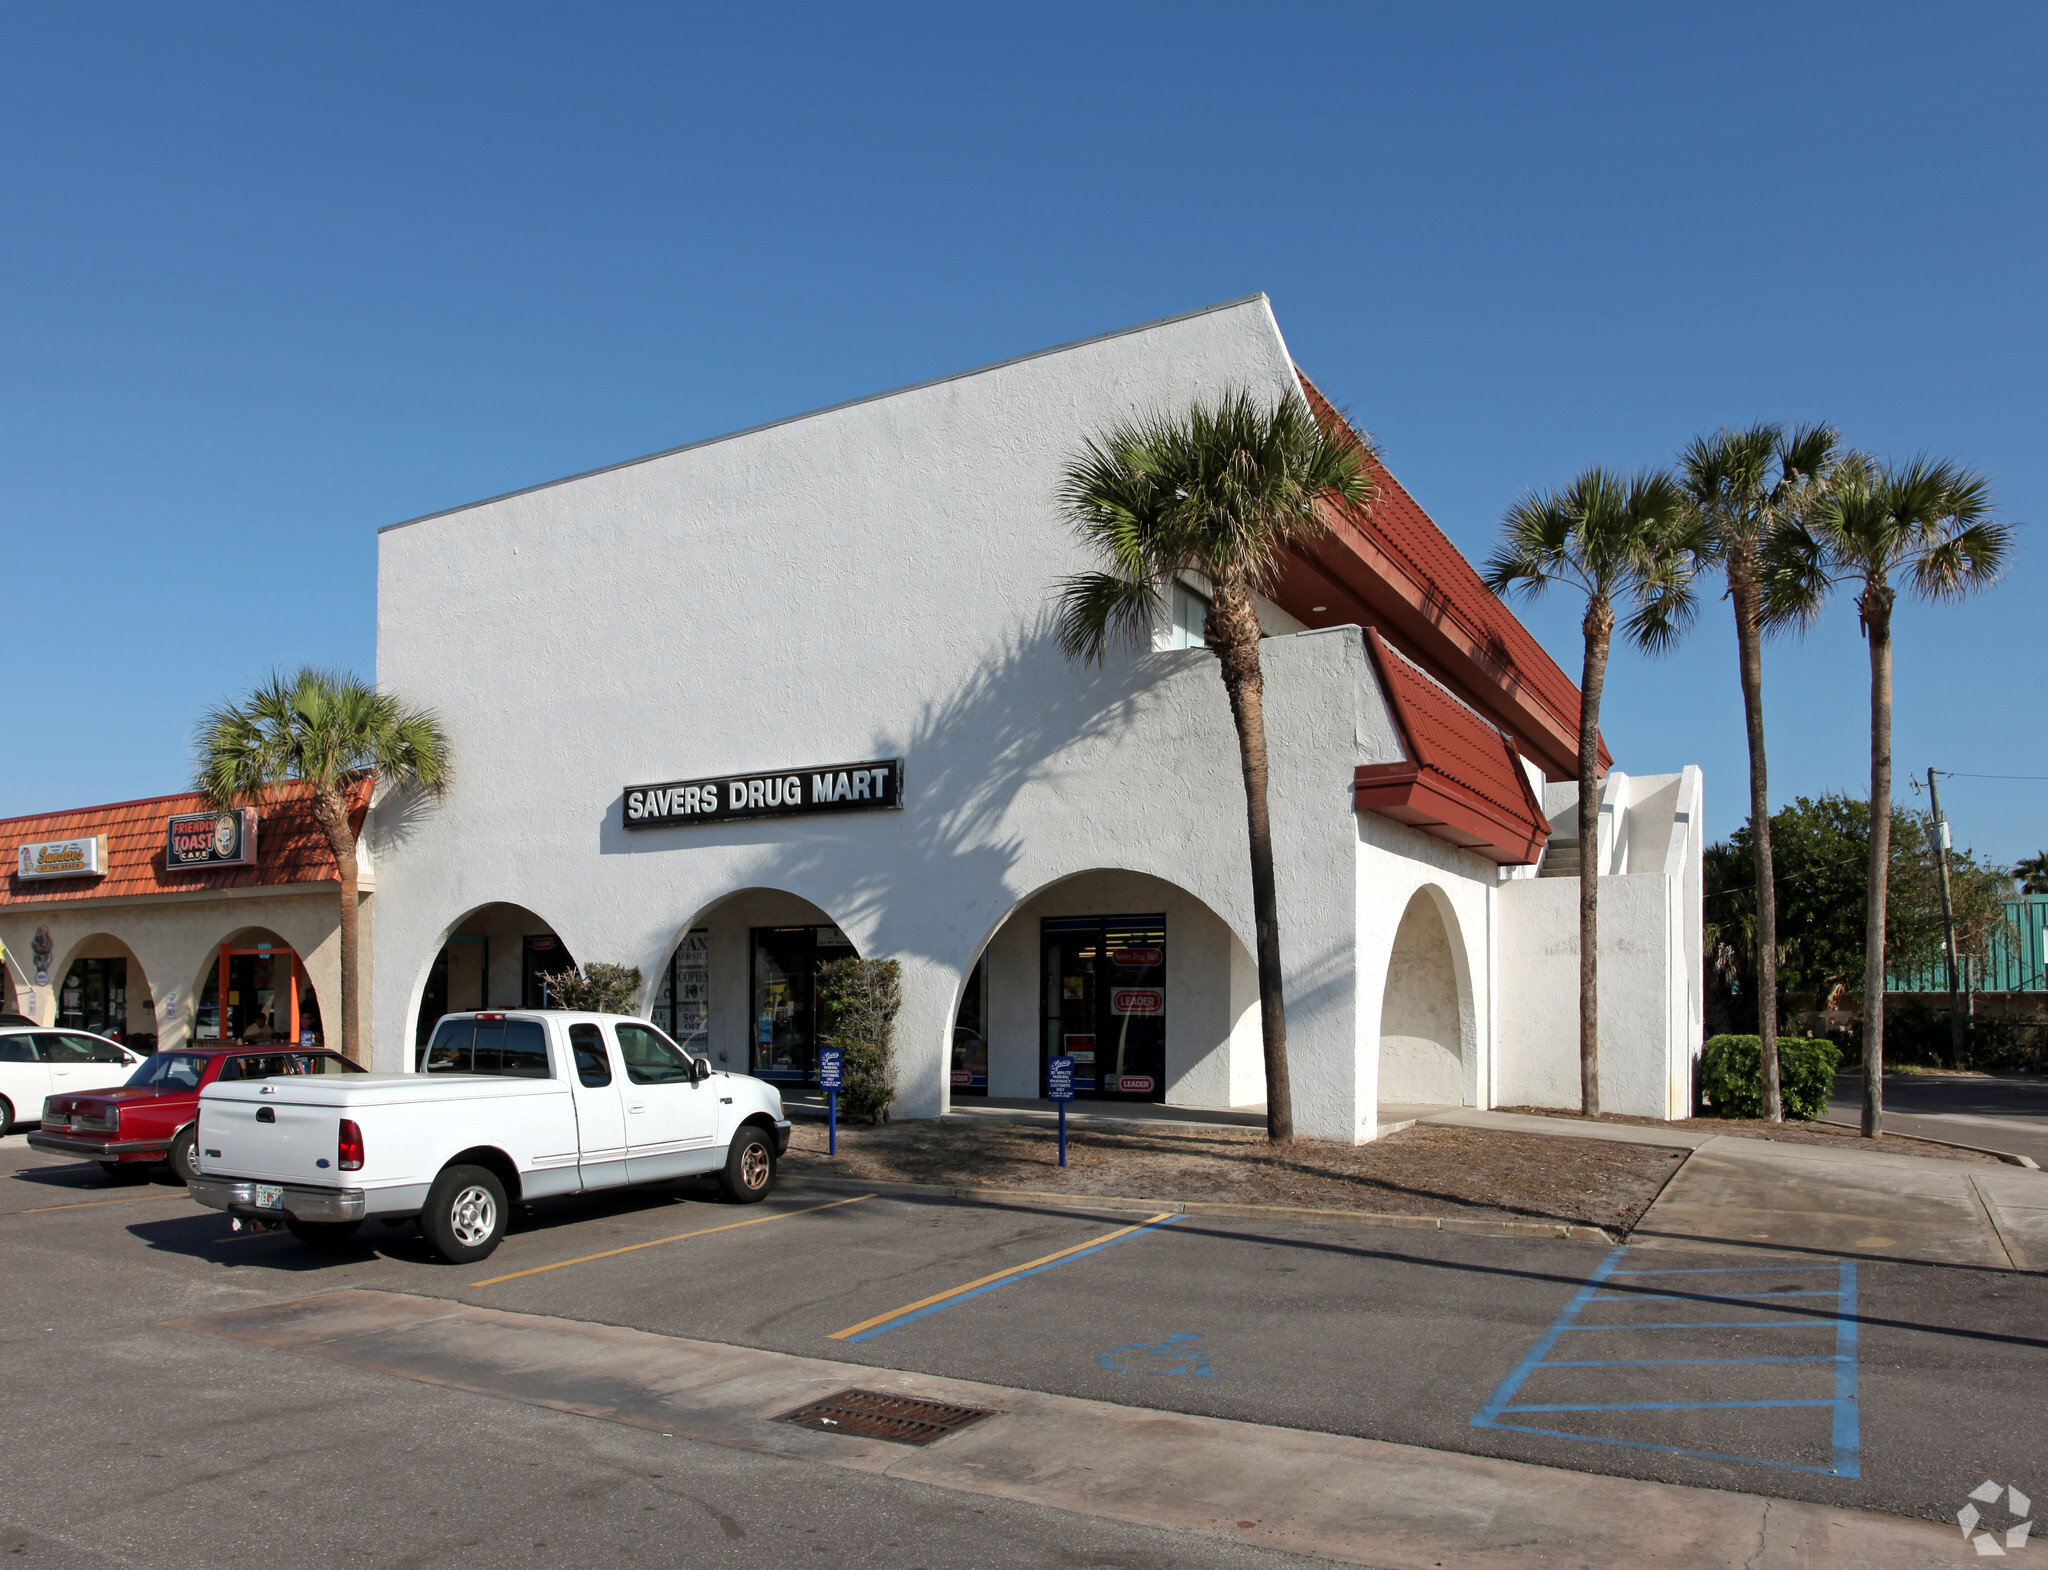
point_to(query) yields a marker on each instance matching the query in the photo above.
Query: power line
(1953, 775)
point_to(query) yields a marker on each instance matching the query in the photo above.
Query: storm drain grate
(875, 1414)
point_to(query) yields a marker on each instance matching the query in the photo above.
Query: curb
(2006, 1156)
(1564, 1230)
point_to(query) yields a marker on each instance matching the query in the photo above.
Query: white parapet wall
(1651, 968)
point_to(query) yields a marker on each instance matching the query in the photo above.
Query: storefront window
(1105, 1003)
(1190, 618)
(786, 1029)
(970, 1035)
(682, 996)
(541, 954)
(94, 997)
(258, 1002)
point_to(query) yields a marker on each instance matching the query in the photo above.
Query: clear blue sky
(276, 275)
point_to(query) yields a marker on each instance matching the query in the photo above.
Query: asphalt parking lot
(1871, 1382)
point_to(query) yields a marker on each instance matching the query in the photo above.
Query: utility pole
(1948, 921)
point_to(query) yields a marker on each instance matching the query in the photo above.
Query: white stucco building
(857, 602)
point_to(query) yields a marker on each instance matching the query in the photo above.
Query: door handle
(636, 1106)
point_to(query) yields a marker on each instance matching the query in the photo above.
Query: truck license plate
(269, 1196)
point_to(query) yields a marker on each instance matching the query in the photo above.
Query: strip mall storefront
(1055, 853)
(161, 922)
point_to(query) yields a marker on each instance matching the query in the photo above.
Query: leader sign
(835, 787)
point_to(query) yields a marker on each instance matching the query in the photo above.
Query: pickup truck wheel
(185, 1154)
(749, 1166)
(464, 1216)
(322, 1234)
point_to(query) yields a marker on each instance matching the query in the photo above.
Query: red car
(154, 1117)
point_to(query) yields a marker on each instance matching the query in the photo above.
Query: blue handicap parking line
(1846, 1431)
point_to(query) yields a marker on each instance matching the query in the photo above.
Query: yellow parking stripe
(88, 1204)
(585, 1259)
(940, 1297)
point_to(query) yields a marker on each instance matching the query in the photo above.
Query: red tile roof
(1462, 781)
(1387, 565)
(289, 847)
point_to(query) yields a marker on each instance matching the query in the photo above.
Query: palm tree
(2032, 874)
(1929, 524)
(1613, 538)
(1740, 484)
(1221, 491)
(328, 730)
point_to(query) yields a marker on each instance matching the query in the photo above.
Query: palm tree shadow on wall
(971, 754)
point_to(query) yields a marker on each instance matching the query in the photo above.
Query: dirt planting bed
(1839, 1135)
(1421, 1171)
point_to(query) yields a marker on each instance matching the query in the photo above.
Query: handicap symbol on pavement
(1171, 1356)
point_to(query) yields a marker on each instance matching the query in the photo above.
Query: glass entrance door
(787, 1029)
(1105, 1003)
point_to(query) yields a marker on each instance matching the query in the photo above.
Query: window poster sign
(876, 785)
(194, 840)
(79, 858)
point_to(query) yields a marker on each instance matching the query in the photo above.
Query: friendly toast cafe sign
(197, 840)
(79, 858)
(874, 786)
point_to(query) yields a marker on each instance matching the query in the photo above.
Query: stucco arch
(138, 1007)
(1212, 1022)
(486, 962)
(203, 967)
(1429, 1041)
(726, 963)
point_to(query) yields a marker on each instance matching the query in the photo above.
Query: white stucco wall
(1422, 1044)
(1651, 971)
(870, 581)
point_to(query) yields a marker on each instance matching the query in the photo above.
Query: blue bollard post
(832, 1124)
(1063, 1133)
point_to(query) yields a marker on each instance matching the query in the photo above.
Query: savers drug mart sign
(874, 786)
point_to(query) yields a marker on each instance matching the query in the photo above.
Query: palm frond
(1098, 609)
(1795, 578)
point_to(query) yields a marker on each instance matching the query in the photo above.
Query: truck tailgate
(253, 1135)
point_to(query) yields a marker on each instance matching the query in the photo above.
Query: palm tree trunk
(330, 811)
(1742, 590)
(1599, 630)
(1877, 627)
(1234, 635)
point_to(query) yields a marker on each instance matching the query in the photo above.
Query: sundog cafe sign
(876, 785)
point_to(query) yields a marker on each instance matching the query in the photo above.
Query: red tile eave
(1491, 809)
(1437, 609)
(292, 851)
(1425, 800)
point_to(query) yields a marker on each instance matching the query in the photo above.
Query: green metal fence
(2017, 961)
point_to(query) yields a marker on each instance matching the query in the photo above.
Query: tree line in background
(1785, 516)
(1821, 851)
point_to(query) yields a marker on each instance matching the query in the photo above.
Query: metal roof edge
(831, 408)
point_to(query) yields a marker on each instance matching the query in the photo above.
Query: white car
(505, 1106)
(38, 1062)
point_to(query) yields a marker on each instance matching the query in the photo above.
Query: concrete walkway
(1746, 1192)
(1357, 1501)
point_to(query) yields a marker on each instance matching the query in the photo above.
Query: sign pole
(830, 1062)
(1059, 1089)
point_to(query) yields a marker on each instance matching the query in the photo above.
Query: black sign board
(195, 840)
(873, 786)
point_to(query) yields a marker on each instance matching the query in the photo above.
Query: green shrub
(1732, 1075)
(860, 997)
(593, 989)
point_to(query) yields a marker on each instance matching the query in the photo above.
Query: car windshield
(275, 1065)
(172, 1070)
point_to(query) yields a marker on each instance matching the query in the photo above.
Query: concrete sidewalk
(1355, 1500)
(1744, 1192)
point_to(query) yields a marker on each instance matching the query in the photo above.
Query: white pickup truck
(504, 1106)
